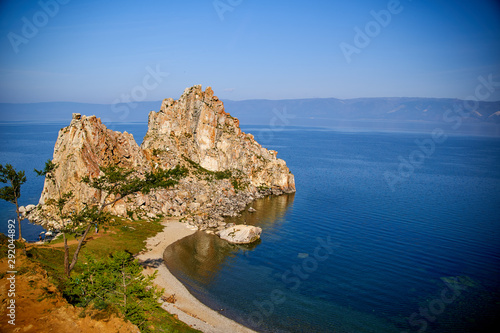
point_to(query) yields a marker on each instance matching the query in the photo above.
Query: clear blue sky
(95, 51)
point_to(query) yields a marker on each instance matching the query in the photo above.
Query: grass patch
(4, 243)
(238, 185)
(4, 246)
(165, 322)
(235, 176)
(125, 235)
(129, 236)
(60, 240)
(51, 259)
(210, 175)
(226, 174)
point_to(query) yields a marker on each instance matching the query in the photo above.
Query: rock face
(196, 126)
(241, 234)
(227, 168)
(80, 149)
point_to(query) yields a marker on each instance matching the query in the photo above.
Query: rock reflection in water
(200, 256)
(269, 212)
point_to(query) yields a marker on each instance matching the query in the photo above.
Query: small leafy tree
(116, 281)
(114, 184)
(12, 192)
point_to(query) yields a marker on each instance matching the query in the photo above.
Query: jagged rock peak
(196, 127)
(227, 168)
(81, 148)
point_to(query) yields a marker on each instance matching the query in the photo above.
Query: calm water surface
(392, 254)
(432, 244)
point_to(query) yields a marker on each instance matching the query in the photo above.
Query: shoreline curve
(187, 307)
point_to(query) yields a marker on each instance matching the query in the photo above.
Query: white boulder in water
(241, 234)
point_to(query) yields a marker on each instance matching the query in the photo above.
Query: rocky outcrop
(196, 126)
(241, 234)
(81, 148)
(227, 168)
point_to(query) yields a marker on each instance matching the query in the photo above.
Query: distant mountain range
(349, 114)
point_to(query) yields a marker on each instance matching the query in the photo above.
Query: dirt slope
(41, 308)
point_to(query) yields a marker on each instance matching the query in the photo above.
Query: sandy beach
(186, 307)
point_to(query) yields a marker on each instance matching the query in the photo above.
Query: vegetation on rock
(121, 239)
(114, 184)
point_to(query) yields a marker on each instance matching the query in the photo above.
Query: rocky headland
(227, 169)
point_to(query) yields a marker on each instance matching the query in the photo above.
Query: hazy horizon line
(264, 99)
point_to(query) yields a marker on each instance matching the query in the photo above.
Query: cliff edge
(227, 168)
(197, 126)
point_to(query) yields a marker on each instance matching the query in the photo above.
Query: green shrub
(157, 152)
(116, 281)
(226, 174)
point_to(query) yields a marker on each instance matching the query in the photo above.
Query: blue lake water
(393, 251)
(422, 255)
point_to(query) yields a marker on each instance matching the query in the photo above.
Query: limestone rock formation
(80, 149)
(241, 234)
(227, 168)
(197, 127)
